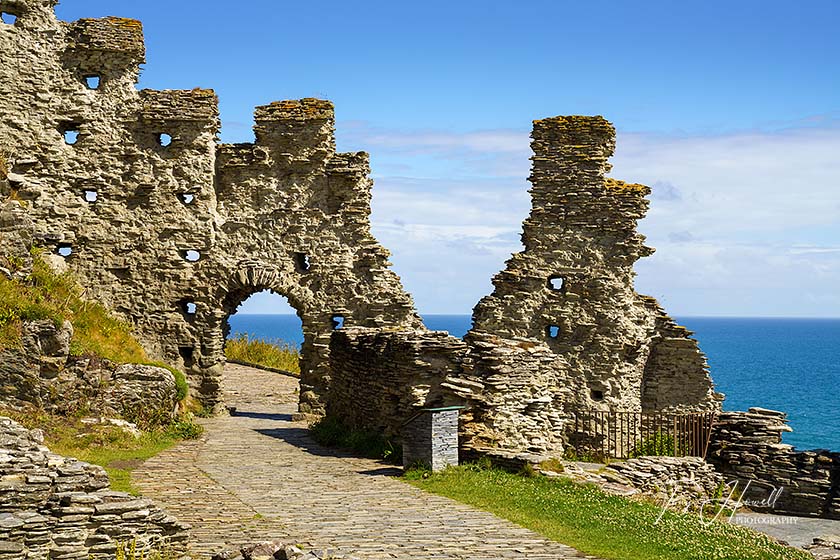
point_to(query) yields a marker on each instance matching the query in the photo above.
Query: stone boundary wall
(773, 476)
(57, 507)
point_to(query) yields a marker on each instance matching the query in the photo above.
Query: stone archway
(249, 279)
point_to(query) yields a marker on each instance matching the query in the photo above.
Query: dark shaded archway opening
(264, 330)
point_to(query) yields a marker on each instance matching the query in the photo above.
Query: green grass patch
(58, 297)
(108, 446)
(611, 527)
(331, 432)
(275, 354)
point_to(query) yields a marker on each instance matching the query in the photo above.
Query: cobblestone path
(256, 475)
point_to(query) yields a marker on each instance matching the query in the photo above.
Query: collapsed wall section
(380, 377)
(564, 331)
(57, 507)
(747, 448)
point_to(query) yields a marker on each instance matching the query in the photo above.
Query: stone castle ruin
(172, 230)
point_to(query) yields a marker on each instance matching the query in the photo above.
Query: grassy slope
(596, 523)
(273, 354)
(58, 298)
(47, 295)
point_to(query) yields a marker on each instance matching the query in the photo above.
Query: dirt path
(257, 475)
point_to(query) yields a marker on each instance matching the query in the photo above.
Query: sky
(730, 111)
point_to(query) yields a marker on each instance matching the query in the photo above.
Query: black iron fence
(623, 435)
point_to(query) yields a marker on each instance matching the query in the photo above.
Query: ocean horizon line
(677, 315)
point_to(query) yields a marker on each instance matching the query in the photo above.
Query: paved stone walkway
(256, 475)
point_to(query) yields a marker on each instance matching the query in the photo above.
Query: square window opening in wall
(337, 322)
(302, 263)
(187, 354)
(190, 308)
(93, 81)
(91, 195)
(65, 250)
(596, 395)
(191, 255)
(186, 198)
(164, 140)
(8, 18)
(557, 283)
(552, 331)
(70, 132)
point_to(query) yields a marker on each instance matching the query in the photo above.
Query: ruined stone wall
(564, 330)
(381, 378)
(588, 340)
(170, 229)
(747, 447)
(58, 507)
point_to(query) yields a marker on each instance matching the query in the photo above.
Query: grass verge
(275, 354)
(584, 517)
(108, 446)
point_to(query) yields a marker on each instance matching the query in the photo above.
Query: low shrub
(659, 444)
(331, 432)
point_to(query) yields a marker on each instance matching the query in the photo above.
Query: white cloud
(745, 223)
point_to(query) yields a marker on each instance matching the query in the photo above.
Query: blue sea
(783, 364)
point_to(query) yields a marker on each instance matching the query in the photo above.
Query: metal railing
(623, 435)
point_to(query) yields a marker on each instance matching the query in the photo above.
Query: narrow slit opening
(302, 263)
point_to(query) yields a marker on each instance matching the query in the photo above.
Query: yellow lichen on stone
(126, 23)
(570, 120)
(620, 187)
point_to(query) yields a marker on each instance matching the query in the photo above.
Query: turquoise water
(783, 364)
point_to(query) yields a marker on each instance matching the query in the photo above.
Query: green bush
(331, 432)
(658, 444)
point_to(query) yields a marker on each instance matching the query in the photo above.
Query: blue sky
(729, 110)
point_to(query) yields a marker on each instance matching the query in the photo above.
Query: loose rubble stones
(56, 507)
